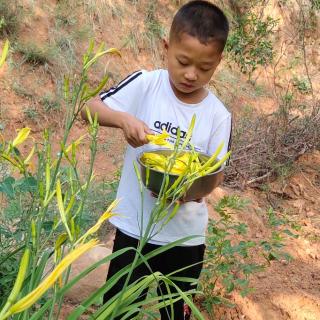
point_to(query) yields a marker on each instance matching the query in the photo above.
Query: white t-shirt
(149, 97)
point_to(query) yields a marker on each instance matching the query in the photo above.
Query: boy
(148, 102)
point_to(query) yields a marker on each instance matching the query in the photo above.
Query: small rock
(315, 276)
(313, 256)
(94, 279)
(305, 223)
(310, 214)
(284, 262)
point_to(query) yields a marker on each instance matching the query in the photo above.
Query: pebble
(315, 276)
(314, 256)
(310, 214)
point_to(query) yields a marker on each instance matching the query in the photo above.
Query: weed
(21, 91)
(3, 112)
(302, 85)
(11, 13)
(65, 36)
(315, 4)
(131, 41)
(154, 29)
(259, 90)
(49, 103)
(33, 55)
(65, 18)
(31, 113)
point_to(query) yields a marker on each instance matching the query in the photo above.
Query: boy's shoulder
(215, 103)
(149, 79)
(150, 75)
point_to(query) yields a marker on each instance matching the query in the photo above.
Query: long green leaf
(89, 301)
(39, 313)
(132, 292)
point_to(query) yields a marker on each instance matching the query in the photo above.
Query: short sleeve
(127, 95)
(223, 134)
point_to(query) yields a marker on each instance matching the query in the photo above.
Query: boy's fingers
(147, 130)
(142, 137)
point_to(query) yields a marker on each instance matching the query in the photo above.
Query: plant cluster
(229, 263)
(43, 210)
(250, 43)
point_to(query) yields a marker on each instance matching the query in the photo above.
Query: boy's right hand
(135, 130)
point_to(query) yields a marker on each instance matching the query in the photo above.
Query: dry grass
(267, 146)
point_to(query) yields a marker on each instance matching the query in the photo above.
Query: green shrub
(249, 43)
(230, 260)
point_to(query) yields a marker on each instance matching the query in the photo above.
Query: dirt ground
(284, 290)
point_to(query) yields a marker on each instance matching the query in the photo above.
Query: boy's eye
(182, 63)
(205, 68)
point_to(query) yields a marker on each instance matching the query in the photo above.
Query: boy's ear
(165, 44)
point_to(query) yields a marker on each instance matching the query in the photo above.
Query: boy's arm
(222, 134)
(134, 129)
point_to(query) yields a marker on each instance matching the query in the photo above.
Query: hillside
(269, 79)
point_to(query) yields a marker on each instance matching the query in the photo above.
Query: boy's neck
(191, 98)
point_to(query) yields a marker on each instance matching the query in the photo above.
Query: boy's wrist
(122, 119)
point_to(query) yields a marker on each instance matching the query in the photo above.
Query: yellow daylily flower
(75, 143)
(4, 52)
(160, 139)
(32, 297)
(28, 158)
(21, 137)
(106, 215)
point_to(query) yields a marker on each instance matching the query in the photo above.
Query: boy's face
(191, 64)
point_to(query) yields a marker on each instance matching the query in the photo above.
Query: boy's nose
(191, 75)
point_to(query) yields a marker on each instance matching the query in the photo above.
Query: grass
(132, 41)
(65, 37)
(10, 18)
(3, 110)
(33, 54)
(302, 85)
(49, 103)
(31, 112)
(21, 91)
(154, 31)
(99, 12)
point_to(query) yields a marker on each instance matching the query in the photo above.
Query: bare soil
(285, 290)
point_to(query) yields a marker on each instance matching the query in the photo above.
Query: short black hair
(202, 20)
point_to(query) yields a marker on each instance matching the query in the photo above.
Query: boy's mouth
(187, 85)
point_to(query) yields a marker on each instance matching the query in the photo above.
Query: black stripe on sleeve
(122, 84)
(230, 142)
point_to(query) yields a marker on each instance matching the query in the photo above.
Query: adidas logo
(169, 128)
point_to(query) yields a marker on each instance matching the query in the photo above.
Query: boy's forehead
(187, 45)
